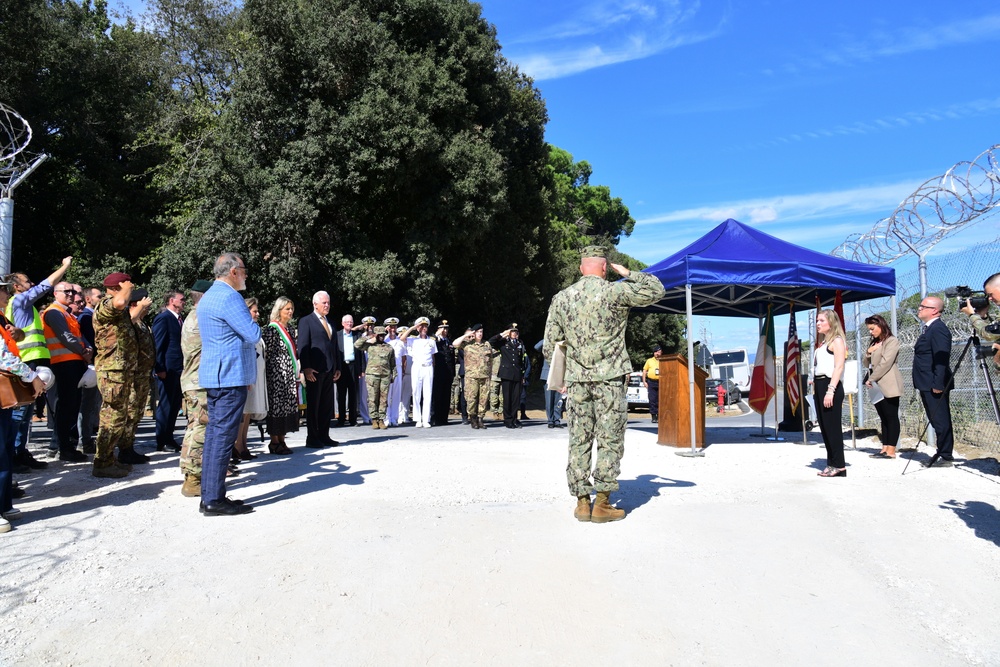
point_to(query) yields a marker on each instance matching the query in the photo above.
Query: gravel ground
(449, 546)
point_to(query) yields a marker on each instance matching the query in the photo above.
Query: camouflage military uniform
(140, 382)
(115, 358)
(478, 370)
(195, 398)
(379, 374)
(495, 397)
(590, 315)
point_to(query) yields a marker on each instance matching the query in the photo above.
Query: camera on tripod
(977, 299)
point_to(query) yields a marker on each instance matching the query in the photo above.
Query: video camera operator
(977, 308)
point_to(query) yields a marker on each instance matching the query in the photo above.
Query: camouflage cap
(594, 251)
(368, 320)
(391, 321)
(421, 320)
(379, 331)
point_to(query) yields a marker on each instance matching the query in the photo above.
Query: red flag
(762, 380)
(792, 351)
(838, 307)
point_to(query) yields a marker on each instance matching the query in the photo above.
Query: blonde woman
(828, 388)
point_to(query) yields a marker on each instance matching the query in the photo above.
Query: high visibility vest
(57, 350)
(33, 347)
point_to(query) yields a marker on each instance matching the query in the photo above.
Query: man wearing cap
(512, 354)
(421, 349)
(478, 370)
(115, 358)
(397, 411)
(590, 316)
(195, 398)
(21, 312)
(444, 374)
(352, 367)
(365, 330)
(320, 368)
(379, 373)
(228, 367)
(69, 355)
(169, 366)
(651, 381)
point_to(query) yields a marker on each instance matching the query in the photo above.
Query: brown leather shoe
(603, 510)
(582, 511)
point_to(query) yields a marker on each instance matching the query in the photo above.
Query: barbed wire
(967, 193)
(15, 135)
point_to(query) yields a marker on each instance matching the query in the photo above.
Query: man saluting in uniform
(590, 316)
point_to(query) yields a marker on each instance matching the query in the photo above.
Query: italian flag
(762, 380)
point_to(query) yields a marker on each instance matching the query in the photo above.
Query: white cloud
(607, 32)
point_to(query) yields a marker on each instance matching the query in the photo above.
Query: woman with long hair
(256, 405)
(828, 390)
(880, 359)
(282, 370)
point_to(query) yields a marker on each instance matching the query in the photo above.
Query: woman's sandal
(833, 472)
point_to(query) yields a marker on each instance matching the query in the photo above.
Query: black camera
(993, 328)
(978, 300)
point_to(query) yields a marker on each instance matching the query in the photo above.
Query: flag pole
(774, 366)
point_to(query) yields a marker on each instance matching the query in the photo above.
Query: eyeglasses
(923, 306)
(67, 291)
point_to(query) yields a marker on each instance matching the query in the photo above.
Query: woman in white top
(256, 406)
(828, 388)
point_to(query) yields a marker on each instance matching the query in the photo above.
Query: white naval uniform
(421, 352)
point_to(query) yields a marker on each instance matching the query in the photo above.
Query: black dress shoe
(131, 456)
(330, 442)
(518, 424)
(24, 457)
(73, 456)
(551, 425)
(224, 507)
(17, 492)
(313, 444)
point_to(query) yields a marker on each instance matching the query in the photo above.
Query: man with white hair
(421, 348)
(321, 369)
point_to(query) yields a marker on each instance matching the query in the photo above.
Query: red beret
(116, 279)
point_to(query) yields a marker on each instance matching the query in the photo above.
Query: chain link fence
(972, 412)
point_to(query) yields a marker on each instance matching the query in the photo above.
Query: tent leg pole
(694, 451)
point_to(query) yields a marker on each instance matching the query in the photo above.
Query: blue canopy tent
(738, 271)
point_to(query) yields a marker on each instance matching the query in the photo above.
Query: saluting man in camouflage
(114, 361)
(479, 355)
(195, 398)
(139, 304)
(379, 374)
(496, 396)
(590, 316)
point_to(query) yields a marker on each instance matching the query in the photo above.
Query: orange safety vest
(8, 339)
(60, 352)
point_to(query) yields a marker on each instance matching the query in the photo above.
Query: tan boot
(603, 510)
(192, 487)
(375, 424)
(382, 425)
(582, 512)
(113, 471)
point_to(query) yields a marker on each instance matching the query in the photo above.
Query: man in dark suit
(352, 365)
(321, 368)
(168, 367)
(932, 375)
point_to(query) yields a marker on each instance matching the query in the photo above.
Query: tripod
(973, 341)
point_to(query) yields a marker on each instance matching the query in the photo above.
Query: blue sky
(810, 121)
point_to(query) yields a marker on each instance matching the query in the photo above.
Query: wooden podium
(674, 423)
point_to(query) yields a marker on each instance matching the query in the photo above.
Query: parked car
(733, 394)
(635, 393)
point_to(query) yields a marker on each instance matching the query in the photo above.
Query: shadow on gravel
(634, 493)
(327, 475)
(982, 518)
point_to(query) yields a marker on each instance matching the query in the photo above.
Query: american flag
(792, 363)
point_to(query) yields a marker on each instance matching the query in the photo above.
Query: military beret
(368, 320)
(138, 295)
(379, 331)
(116, 279)
(201, 285)
(421, 320)
(391, 321)
(475, 327)
(594, 251)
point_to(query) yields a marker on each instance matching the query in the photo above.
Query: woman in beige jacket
(880, 359)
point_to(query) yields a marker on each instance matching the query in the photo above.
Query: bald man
(932, 375)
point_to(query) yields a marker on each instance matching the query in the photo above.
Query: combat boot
(474, 421)
(375, 424)
(604, 511)
(582, 512)
(382, 425)
(482, 424)
(191, 487)
(113, 471)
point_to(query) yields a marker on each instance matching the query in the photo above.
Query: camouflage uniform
(478, 370)
(590, 315)
(379, 374)
(495, 397)
(140, 382)
(116, 353)
(195, 398)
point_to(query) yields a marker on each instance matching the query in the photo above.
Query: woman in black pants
(880, 359)
(828, 371)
